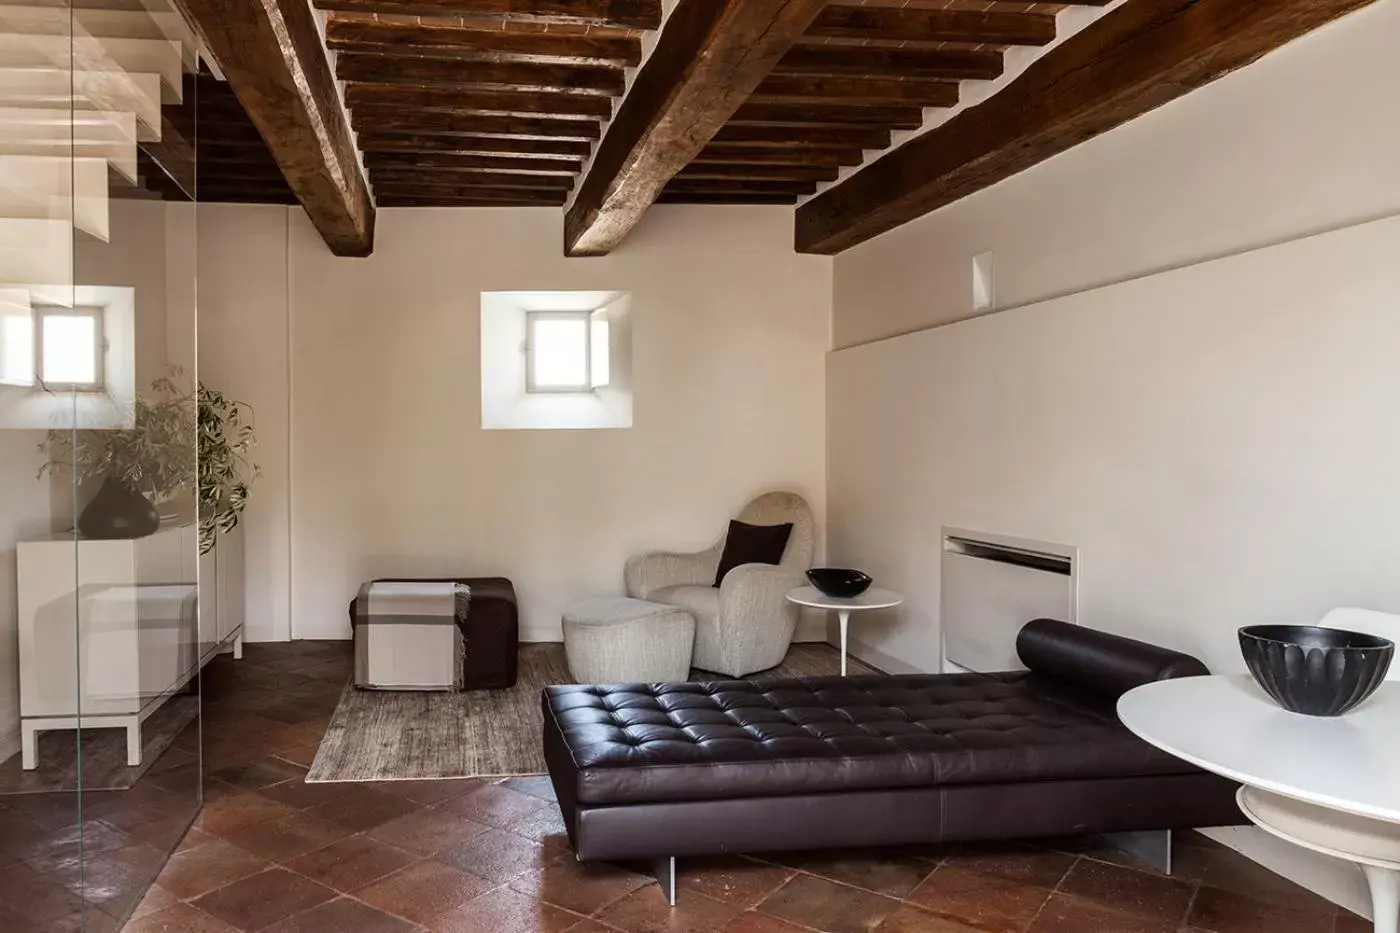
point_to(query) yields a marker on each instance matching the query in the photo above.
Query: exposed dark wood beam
(228, 174)
(826, 89)
(448, 72)
(409, 198)
(708, 59)
(213, 154)
(892, 24)
(246, 193)
(489, 181)
(1136, 58)
(947, 64)
(272, 54)
(376, 120)
(756, 172)
(450, 162)
(471, 145)
(725, 153)
(631, 14)
(801, 137)
(462, 101)
(906, 118)
(482, 185)
(393, 38)
(741, 185)
(696, 197)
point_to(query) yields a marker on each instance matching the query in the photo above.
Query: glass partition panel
(41, 837)
(134, 453)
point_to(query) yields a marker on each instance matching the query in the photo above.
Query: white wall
(390, 472)
(1218, 440)
(1293, 144)
(243, 352)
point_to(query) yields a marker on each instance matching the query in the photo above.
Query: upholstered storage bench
(489, 627)
(665, 770)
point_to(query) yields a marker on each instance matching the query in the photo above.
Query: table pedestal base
(1372, 844)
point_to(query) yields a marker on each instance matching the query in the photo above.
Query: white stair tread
(60, 132)
(35, 187)
(152, 56)
(36, 252)
(153, 19)
(118, 91)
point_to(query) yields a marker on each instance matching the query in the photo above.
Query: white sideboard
(108, 630)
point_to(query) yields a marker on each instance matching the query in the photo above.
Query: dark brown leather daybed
(657, 771)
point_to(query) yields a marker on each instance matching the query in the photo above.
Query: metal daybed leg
(1152, 846)
(665, 871)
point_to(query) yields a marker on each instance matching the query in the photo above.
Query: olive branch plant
(156, 457)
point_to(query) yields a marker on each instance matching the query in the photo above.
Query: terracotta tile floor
(274, 854)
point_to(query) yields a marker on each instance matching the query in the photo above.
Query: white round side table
(814, 598)
(1327, 784)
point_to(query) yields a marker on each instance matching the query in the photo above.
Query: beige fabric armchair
(746, 624)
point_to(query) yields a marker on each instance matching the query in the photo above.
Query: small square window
(68, 348)
(559, 355)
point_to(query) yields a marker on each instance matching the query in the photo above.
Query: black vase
(118, 511)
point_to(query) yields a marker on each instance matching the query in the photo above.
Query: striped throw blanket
(415, 602)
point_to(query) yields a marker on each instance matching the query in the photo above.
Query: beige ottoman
(618, 640)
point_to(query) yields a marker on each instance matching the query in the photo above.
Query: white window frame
(99, 349)
(586, 387)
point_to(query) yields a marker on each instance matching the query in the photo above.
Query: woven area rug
(410, 736)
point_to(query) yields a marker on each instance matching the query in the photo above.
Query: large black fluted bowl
(1313, 670)
(839, 582)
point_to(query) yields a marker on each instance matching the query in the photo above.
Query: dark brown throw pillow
(752, 544)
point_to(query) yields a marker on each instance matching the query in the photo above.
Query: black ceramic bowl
(1315, 671)
(839, 582)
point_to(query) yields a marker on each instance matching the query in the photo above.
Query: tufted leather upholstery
(636, 743)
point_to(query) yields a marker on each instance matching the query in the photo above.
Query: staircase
(82, 92)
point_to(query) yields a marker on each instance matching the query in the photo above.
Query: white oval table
(814, 598)
(1328, 784)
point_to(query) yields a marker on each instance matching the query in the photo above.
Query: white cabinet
(109, 629)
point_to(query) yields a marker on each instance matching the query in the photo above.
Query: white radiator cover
(994, 584)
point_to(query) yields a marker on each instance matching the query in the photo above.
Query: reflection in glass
(100, 645)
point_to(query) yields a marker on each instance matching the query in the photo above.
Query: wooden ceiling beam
(892, 24)
(868, 61)
(742, 185)
(378, 120)
(903, 118)
(415, 198)
(1136, 58)
(236, 193)
(625, 14)
(801, 137)
(707, 60)
(858, 90)
(495, 102)
(456, 162)
(727, 154)
(464, 73)
(759, 172)
(273, 57)
(394, 38)
(482, 184)
(471, 145)
(699, 197)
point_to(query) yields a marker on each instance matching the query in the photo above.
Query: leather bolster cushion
(1101, 663)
